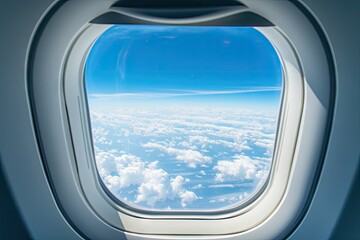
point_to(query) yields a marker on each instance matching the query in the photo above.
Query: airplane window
(183, 117)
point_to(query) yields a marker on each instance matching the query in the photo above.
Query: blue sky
(193, 65)
(183, 118)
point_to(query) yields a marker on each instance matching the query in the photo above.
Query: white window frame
(132, 219)
(298, 145)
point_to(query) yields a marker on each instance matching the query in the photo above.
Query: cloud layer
(183, 158)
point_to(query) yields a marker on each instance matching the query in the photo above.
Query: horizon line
(182, 93)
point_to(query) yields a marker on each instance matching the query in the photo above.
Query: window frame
(62, 163)
(90, 145)
(135, 220)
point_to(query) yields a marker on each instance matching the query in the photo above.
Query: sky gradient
(191, 65)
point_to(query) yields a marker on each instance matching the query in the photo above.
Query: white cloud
(198, 186)
(105, 163)
(268, 144)
(187, 197)
(189, 156)
(155, 187)
(242, 168)
(230, 198)
(265, 143)
(204, 142)
(264, 159)
(153, 165)
(222, 186)
(153, 184)
(100, 136)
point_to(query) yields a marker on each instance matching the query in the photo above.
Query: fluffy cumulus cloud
(191, 157)
(153, 184)
(187, 197)
(242, 168)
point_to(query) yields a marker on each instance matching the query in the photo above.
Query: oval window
(183, 118)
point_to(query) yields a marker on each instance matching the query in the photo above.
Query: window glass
(183, 117)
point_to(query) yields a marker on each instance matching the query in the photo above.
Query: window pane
(183, 118)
